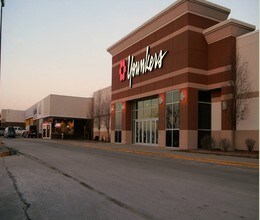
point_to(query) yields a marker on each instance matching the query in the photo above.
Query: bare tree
(239, 94)
(91, 114)
(91, 108)
(98, 113)
(106, 104)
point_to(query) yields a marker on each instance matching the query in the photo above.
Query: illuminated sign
(135, 68)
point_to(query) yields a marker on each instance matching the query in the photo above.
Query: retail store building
(59, 117)
(10, 117)
(170, 78)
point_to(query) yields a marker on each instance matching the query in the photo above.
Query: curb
(4, 151)
(169, 155)
(230, 154)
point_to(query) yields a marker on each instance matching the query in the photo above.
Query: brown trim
(227, 91)
(216, 95)
(172, 87)
(219, 77)
(226, 118)
(249, 95)
(186, 77)
(166, 76)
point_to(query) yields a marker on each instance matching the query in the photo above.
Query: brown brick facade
(199, 51)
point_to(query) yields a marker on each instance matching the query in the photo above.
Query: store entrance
(146, 131)
(46, 131)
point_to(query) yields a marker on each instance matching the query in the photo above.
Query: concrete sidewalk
(167, 153)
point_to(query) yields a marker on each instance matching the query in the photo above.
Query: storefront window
(63, 126)
(204, 116)
(172, 118)
(145, 109)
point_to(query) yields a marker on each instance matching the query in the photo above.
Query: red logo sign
(122, 70)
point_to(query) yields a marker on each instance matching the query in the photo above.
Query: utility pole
(2, 5)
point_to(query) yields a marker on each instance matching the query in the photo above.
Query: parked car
(9, 132)
(18, 131)
(30, 131)
(2, 131)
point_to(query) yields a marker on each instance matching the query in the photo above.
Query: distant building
(58, 116)
(12, 118)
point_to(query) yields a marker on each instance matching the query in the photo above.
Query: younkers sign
(135, 68)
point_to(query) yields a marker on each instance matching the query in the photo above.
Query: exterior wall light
(160, 100)
(224, 105)
(182, 96)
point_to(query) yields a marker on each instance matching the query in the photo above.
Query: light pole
(2, 5)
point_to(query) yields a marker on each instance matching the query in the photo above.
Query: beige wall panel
(67, 106)
(216, 116)
(216, 135)
(188, 139)
(162, 138)
(226, 134)
(112, 137)
(13, 115)
(252, 120)
(103, 135)
(126, 137)
(248, 50)
(241, 137)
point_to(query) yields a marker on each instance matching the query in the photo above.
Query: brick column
(112, 135)
(126, 123)
(161, 121)
(189, 119)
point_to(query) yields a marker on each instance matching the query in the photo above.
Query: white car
(18, 131)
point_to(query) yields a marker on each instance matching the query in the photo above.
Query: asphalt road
(48, 180)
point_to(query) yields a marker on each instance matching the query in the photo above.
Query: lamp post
(2, 5)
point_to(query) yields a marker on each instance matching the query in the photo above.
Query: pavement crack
(21, 196)
(91, 188)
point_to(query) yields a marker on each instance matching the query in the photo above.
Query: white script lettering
(149, 63)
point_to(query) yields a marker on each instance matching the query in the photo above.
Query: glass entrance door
(146, 131)
(46, 131)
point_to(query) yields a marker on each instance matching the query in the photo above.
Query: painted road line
(170, 155)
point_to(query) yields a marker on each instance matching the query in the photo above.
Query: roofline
(162, 13)
(230, 21)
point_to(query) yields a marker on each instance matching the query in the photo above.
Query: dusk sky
(60, 46)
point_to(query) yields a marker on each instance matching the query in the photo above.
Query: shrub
(207, 142)
(224, 144)
(250, 144)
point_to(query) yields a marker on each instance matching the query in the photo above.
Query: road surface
(57, 180)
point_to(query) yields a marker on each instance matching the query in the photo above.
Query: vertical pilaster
(126, 123)
(189, 118)
(161, 121)
(112, 138)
